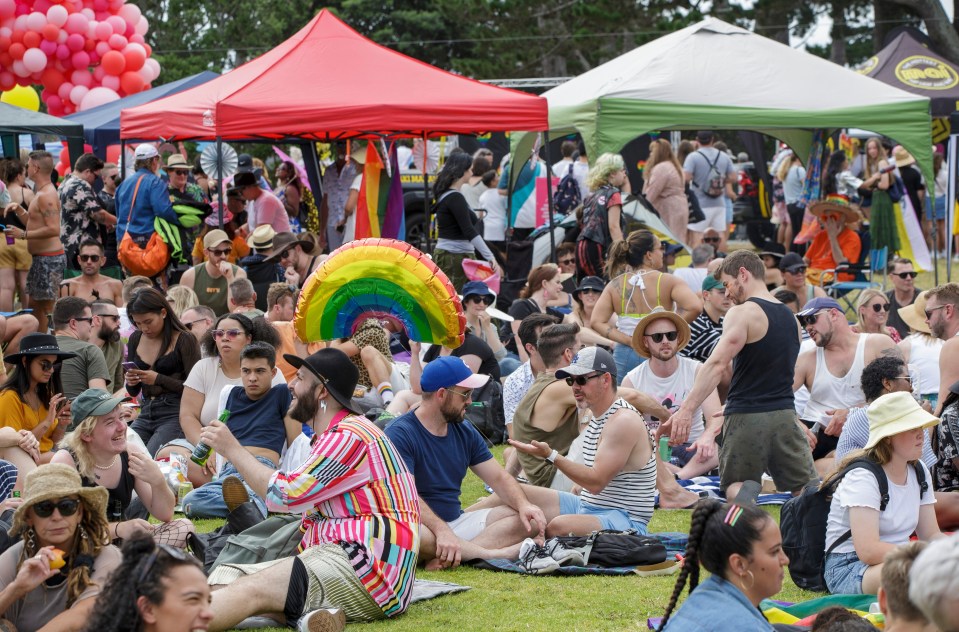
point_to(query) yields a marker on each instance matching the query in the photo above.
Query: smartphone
(130, 366)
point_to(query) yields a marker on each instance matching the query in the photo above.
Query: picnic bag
(612, 549)
(566, 197)
(149, 261)
(276, 537)
(715, 186)
(803, 524)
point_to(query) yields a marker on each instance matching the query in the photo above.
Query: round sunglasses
(880, 307)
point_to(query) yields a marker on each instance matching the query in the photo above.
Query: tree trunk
(944, 36)
(838, 34)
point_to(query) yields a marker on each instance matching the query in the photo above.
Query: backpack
(715, 182)
(566, 197)
(803, 522)
(614, 549)
(486, 412)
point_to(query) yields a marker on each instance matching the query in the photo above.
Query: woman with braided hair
(742, 549)
(155, 589)
(52, 577)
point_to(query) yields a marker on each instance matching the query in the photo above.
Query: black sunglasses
(799, 270)
(670, 336)
(221, 253)
(189, 325)
(485, 299)
(176, 554)
(711, 240)
(88, 258)
(46, 365)
(906, 275)
(880, 307)
(811, 319)
(580, 380)
(567, 262)
(66, 507)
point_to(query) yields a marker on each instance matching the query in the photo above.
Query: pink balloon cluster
(83, 52)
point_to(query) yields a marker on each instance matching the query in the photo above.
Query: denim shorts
(615, 519)
(843, 573)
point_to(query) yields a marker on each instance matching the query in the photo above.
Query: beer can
(182, 491)
(15, 494)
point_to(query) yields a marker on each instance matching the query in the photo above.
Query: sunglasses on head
(880, 307)
(66, 507)
(88, 258)
(906, 275)
(176, 554)
(580, 380)
(670, 336)
(228, 333)
(485, 299)
(221, 253)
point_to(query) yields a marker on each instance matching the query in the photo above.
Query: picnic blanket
(674, 543)
(803, 613)
(709, 485)
(424, 589)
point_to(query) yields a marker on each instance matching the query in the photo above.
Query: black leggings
(796, 214)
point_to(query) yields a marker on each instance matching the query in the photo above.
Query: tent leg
(427, 207)
(219, 181)
(951, 197)
(123, 159)
(549, 197)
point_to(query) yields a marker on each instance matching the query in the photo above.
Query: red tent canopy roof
(327, 82)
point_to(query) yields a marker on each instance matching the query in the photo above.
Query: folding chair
(866, 275)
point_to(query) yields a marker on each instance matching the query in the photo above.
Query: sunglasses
(903, 377)
(189, 325)
(485, 299)
(806, 321)
(66, 507)
(176, 554)
(228, 333)
(669, 335)
(46, 365)
(88, 319)
(221, 253)
(286, 253)
(589, 290)
(932, 309)
(465, 395)
(580, 380)
(799, 270)
(906, 275)
(180, 172)
(880, 307)
(567, 262)
(115, 318)
(711, 240)
(88, 258)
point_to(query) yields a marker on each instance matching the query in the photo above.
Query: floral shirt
(192, 193)
(947, 449)
(78, 203)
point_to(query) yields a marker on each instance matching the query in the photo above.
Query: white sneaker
(566, 557)
(323, 620)
(535, 560)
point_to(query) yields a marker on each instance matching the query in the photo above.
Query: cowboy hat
(33, 345)
(682, 327)
(914, 315)
(835, 205)
(895, 413)
(57, 480)
(285, 240)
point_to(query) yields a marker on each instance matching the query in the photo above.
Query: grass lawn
(509, 601)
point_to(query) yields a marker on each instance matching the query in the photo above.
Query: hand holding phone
(129, 366)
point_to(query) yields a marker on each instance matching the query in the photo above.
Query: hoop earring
(752, 583)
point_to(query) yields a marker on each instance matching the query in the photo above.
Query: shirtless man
(42, 233)
(91, 285)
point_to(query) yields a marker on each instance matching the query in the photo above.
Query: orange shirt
(16, 414)
(820, 253)
(240, 250)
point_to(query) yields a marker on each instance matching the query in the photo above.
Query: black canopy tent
(15, 122)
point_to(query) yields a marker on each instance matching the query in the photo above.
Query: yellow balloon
(23, 97)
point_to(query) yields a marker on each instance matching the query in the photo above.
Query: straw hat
(261, 238)
(177, 161)
(835, 205)
(915, 315)
(639, 342)
(902, 157)
(359, 153)
(895, 413)
(56, 480)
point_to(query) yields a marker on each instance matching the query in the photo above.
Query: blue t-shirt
(259, 424)
(438, 464)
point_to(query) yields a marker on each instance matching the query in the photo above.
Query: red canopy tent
(329, 82)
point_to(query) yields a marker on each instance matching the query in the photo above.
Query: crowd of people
(131, 398)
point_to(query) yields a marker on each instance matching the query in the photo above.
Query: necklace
(105, 467)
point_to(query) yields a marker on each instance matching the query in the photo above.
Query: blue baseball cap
(818, 304)
(447, 371)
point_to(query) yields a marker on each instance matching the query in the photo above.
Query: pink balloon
(102, 48)
(54, 102)
(8, 8)
(58, 15)
(115, 5)
(48, 48)
(130, 12)
(118, 24)
(77, 94)
(143, 25)
(88, 12)
(42, 6)
(75, 42)
(98, 74)
(154, 67)
(94, 58)
(22, 9)
(68, 109)
(97, 97)
(62, 37)
(111, 81)
(81, 78)
(117, 42)
(136, 38)
(103, 30)
(81, 60)
(76, 23)
(20, 24)
(36, 21)
(64, 90)
(34, 60)
(63, 52)
(19, 69)
(7, 80)
(100, 5)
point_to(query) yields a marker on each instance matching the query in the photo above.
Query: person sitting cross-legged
(438, 448)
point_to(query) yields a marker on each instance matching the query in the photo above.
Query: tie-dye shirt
(355, 490)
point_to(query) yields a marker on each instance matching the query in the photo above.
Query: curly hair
(605, 166)
(712, 541)
(117, 604)
(258, 329)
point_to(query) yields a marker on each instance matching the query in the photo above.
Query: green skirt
(882, 222)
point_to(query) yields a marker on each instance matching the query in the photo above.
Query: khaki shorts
(15, 256)
(753, 443)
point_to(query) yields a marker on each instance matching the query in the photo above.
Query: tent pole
(427, 207)
(219, 181)
(549, 197)
(951, 199)
(123, 159)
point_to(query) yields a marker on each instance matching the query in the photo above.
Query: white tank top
(924, 360)
(829, 392)
(669, 391)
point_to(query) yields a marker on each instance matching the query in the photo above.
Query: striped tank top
(632, 491)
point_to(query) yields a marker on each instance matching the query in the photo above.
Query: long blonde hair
(785, 166)
(181, 298)
(78, 448)
(605, 166)
(871, 167)
(661, 151)
(864, 298)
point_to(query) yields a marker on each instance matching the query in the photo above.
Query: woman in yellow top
(637, 286)
(31, 398)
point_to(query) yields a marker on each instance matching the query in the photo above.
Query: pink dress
(664, 190)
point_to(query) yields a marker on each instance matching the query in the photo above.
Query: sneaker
(535, 560)
(323, 620)
(565, 556)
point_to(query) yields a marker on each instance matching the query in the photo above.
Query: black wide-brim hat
(334, 369)
(33, 345)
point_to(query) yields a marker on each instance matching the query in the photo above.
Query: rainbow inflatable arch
(384, 279)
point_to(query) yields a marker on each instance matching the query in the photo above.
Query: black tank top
(763, 371)
(121, 495)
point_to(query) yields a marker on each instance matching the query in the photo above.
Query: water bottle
(202, 451)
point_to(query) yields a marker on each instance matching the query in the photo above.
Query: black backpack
(803, 524)
(567, 196)
(613, 549)
(486, 412)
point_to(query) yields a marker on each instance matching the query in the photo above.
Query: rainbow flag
(379, 209)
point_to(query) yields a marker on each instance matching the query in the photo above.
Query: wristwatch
(552, 456)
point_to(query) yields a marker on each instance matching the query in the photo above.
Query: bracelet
(116, 531)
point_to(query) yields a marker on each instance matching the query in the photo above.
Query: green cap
(92, 402)
(711, 283)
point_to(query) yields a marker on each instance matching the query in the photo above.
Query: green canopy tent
(713, 75)
(15, 121)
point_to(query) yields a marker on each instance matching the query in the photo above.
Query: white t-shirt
(669, 391)
(268, 209)
(494, 224)
(349, 229)
(859, 488)
(208, 379)
(693, 277)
